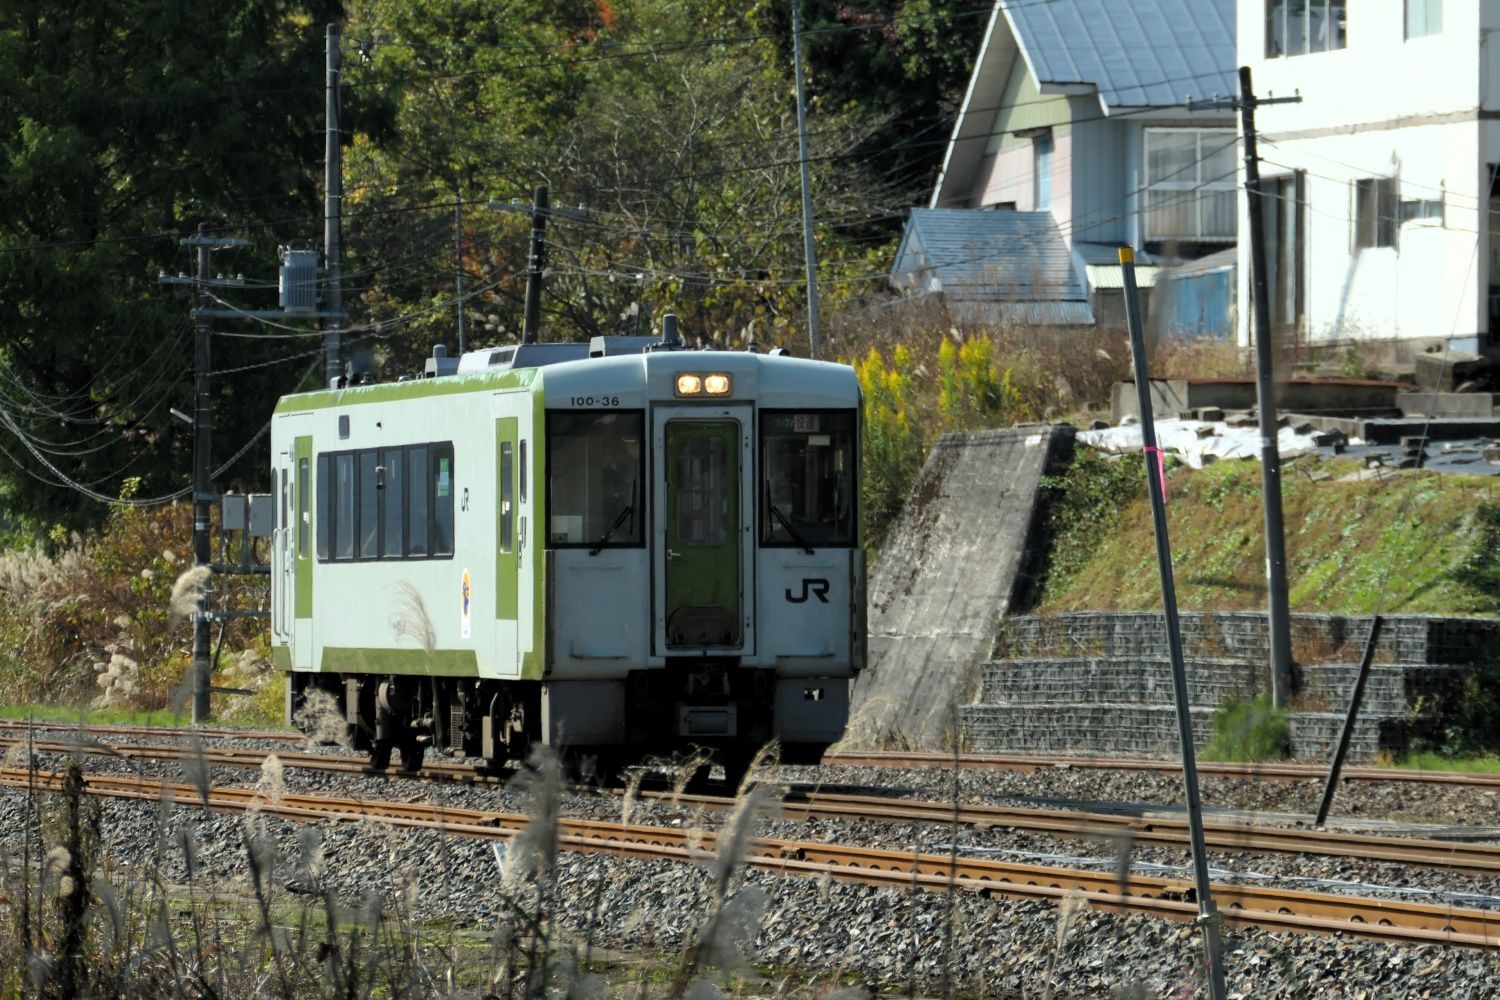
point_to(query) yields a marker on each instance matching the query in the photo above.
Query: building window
(1423, 17)
(1297, 27)
(1375, 212)
(1190, 185)
(1041, 161)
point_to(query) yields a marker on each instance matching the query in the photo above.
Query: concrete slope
(948, 572)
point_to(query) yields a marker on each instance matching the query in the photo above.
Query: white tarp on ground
(1182, 438)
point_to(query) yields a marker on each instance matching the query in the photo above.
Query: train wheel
(380, 754)
(412, 753)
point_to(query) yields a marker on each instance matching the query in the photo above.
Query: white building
(1384, 175)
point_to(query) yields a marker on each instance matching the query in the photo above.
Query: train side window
(393, 504)
(302, 518)
(369, 506)
(344, 491)
(417, 487)
(507, 500)
(522, 476)
(325, 505)
(442, 499)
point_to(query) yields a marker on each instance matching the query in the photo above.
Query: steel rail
(1275, 772)
(862, 758)
(178, 732)
(1303, 912)
(1475, 859)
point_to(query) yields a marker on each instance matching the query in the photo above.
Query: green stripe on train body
(438, 663)
(389, 392)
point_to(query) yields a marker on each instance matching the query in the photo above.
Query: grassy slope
(1443, 553)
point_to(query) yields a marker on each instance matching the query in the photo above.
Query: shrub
(1082, 508)
(894, 445)
(90, 615)
(1249, 732)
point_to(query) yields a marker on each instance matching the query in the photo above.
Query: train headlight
(689, 385)
(716, 385)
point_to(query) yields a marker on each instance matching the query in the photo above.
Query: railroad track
(1474, 859)
(178, 732)
(1004, 762)
(1272, 772)
(1173, 899)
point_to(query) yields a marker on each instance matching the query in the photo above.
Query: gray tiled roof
(1138, 53)
(1014, 258)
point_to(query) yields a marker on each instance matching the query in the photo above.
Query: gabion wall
(1094, 682)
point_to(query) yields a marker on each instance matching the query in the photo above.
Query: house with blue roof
(1074, 138)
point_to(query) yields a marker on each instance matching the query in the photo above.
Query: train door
(281, 546)
(292, 553)
(508, 528)
(703, 521)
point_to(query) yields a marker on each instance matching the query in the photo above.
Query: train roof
(626, 359)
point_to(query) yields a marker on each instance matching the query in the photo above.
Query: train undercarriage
(694, 711)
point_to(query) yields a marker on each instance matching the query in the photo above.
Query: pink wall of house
(1005, 177)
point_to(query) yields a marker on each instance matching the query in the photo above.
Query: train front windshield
(595, 479)
(807, 459)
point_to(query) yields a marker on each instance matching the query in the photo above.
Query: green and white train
(618, 548)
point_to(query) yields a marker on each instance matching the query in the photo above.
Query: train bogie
(623, 549)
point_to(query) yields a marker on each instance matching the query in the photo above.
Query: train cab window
(595, 496)
(705, 508)
(807, 495)
(442, 500)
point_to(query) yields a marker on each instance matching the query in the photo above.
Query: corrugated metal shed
(1137, 53)
(1015, 260)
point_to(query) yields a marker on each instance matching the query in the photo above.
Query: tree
(123, 127)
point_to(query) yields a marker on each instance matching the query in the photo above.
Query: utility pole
(1277, 610)
(458, 249)
(1208, 917)
(333, 200)
(1265, 405)
(536, 264)
(808, 250)
(203, 491)
(541, 209)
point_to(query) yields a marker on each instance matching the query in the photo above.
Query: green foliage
(972, 392)
(1413, 543)
(122, 127)
(1480, 570)
(893, 442)
(1249, 732)
(1083, 508)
